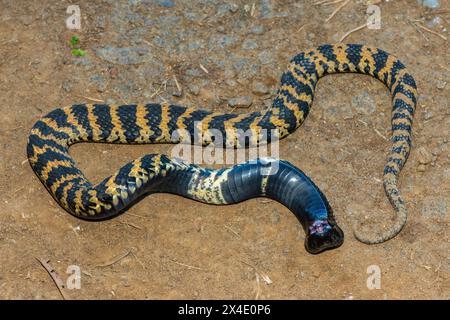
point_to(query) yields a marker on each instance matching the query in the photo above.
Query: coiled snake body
(52, 135)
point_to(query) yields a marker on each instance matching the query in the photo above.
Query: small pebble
(364, 104)
(265, 57)
(275, 217)
(229, 74)
(338, 111)
(424, 156)
(441, 84)
(433, 4)
(223, 9)
(99, 82)
(166, 3)
(258, 29)
(240, 102)
(27, 20)
(194, 89)
(249, 44)
(234, 7)
(267, 103)
(434, 22)
(125, 55)
(113, 72)
(259, 88)
(193, 72)
(427, 115)
(67, 86)
(176, 93)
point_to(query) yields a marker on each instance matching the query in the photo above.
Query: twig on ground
(162, 98)
(252, 10)
(326, 2)
(332, 2)
(417, 23)
(54, 275)
(94, 99)
(431, 31)
(364, 123)
(418, 30)
(203, 68)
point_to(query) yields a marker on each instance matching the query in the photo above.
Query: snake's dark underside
(52, 135)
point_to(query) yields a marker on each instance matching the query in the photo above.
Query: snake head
(323, 235)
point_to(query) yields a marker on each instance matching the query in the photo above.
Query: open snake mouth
(330, 237)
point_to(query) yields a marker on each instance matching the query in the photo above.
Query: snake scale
(52, 135)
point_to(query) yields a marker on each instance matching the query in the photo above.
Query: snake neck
(278, 180)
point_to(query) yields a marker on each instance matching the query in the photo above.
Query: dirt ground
(168, 247)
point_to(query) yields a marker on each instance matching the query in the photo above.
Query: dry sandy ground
(170, 247)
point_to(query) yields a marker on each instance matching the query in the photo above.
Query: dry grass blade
(418, 30)
(258, 287)
(136, 215)
(326, 2)
(93, 99)
(263, 275)
(380, 134)
(337, 10)
(351, 31)
(126, 223)
(232, 231)
(177, 84)
(186, 265)
(252, 10)
(203, 68)
(115, 260)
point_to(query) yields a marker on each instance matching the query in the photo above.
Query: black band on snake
(52, 135)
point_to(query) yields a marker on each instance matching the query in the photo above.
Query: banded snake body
(52, 135)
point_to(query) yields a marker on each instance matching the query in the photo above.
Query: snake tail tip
(380, 236)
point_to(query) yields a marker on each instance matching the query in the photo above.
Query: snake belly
(52, 135)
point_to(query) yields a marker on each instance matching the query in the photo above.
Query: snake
(53, 134)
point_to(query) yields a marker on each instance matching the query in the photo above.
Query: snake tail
(300, 80)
